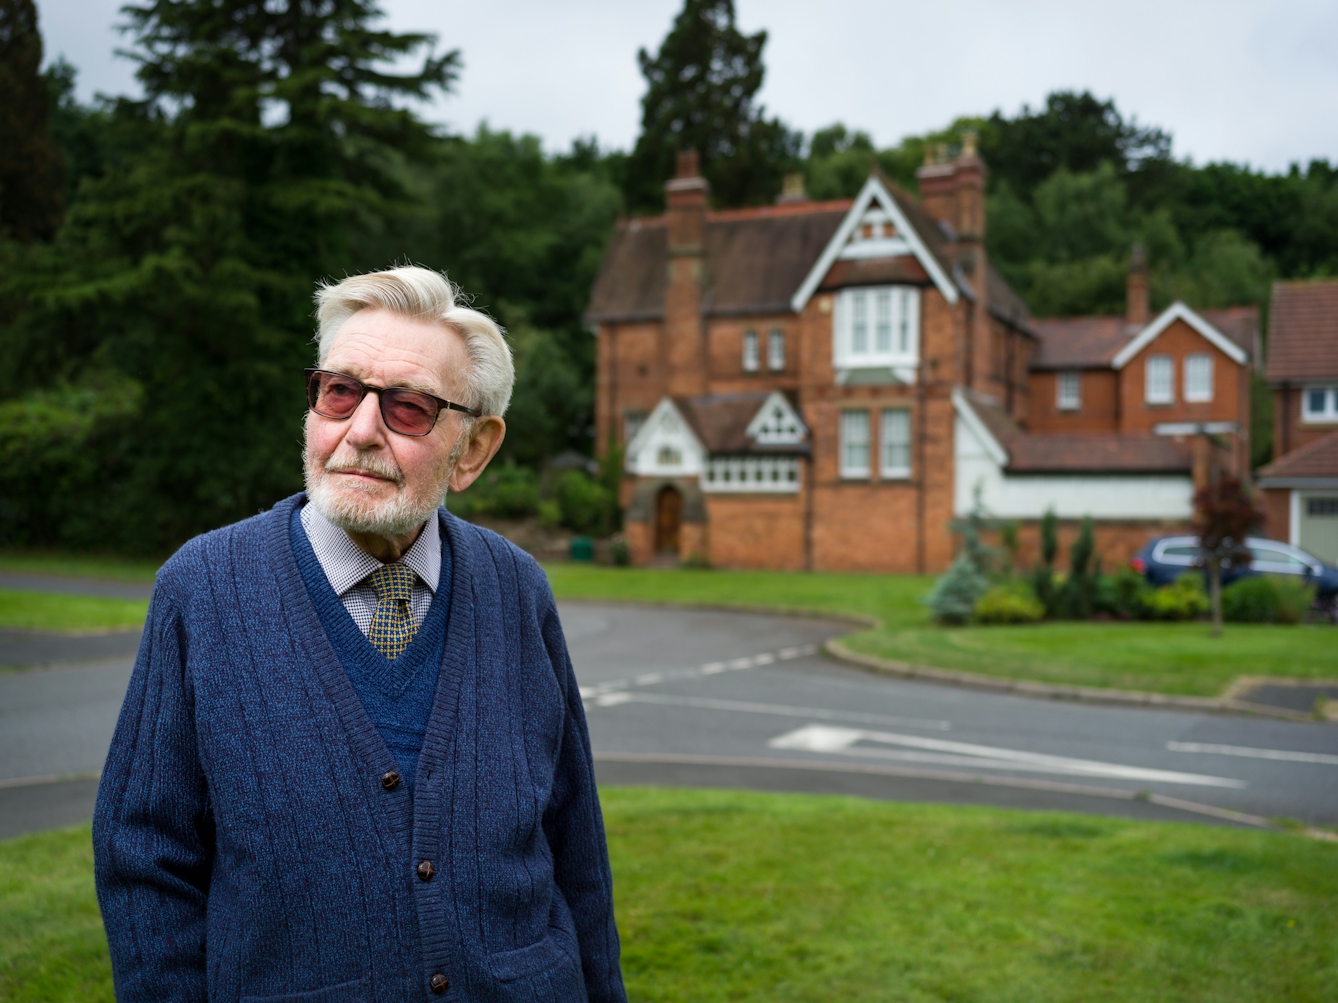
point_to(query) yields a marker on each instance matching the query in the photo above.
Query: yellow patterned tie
(392, 624)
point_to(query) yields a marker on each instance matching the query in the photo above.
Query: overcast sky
(1242, 80)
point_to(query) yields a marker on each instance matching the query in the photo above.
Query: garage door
(1319, 526)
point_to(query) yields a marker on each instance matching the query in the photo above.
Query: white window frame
(1328, 413)
(1151, 392)
(895, 431)
(876, 326)
(751, 357)
(1198, 377)
(1068, 390)
(776, 350)
(854, 452)
(752, 474)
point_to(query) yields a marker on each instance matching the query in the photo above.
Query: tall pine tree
(701, 94)
(32, 171)
(183, 278)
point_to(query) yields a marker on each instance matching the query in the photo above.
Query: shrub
(1012, 603)
(586, 506)
(1295, 598)
(1122, 594)
(620, 555)
(955, 594)
(1075, 599)
(1183, 599)
(1251, 600)
(508, 492)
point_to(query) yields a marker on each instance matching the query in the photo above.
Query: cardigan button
(439, 983)
(390, 780)
(426, 870)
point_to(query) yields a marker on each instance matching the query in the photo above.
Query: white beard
(354, 509)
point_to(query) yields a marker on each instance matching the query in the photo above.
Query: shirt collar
(346, 564)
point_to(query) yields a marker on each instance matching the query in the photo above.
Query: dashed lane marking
(709, 669)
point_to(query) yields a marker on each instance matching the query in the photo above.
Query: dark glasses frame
(313, 393)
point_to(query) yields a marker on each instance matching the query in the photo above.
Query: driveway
(702, 698)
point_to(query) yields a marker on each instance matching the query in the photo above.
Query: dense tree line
(157, 256)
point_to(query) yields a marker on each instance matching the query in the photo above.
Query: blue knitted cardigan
(247, 849)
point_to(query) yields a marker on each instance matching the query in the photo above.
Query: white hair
(425, 295)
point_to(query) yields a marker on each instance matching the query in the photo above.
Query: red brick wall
(1099, 391)
(756, 531)
(1277, 506)
(1230, 392)
(629, 375)
(725, 340)
(1289, 431)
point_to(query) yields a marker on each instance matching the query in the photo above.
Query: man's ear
(485, 439)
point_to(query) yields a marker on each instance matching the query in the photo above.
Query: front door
(668, 519)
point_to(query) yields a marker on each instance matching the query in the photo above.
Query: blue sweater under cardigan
(247, 850)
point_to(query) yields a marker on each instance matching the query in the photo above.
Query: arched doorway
(668, 520)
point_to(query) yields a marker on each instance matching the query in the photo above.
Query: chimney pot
(792, 190)
(969, 140)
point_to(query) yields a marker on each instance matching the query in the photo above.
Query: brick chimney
(953, 190)
(792, 190)
(1136, 290)
(685, 196)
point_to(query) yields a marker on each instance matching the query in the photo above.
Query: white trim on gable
(1178, 311)
(792, 429)
(977, 428)
(873, 191)
(665, 446)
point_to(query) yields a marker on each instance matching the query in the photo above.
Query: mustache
(370, 464)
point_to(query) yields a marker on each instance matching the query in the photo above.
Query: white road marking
(1249, 753)
(842, 741)
(598, 690)
(778, 710)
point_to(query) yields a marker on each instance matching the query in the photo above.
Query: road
(704, 698)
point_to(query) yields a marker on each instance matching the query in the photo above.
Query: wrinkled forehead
(390, 349)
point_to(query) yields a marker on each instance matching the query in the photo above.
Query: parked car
(1164, 560)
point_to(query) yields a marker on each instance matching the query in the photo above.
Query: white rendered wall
(1129, 496)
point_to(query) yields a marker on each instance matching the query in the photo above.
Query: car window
(1179, 554)
(1277, 558)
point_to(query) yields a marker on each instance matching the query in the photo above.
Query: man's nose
(365, 426)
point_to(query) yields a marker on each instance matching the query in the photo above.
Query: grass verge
(42, 563)
(48, 611)
(1175, 658)
(751, 897)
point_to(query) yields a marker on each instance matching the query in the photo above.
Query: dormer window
(750, 354)
(877, 326)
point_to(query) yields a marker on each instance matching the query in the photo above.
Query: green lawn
(726, 896)
(118, 568)
(1176, 658)
(50, 611)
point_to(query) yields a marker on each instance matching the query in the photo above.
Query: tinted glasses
(408, 412)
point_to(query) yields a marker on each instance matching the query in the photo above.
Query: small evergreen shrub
(955, 594)
(586, 506)
(1295, 598)
(1251, 600)
(620, 555)
(1183, 599)
(1011, 603)
(1122, 594)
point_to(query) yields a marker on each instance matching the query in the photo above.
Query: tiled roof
(1081, 453)
(721, 421)
(755, 260)
(1315, 459)
(1092, 342)
(1303, 332)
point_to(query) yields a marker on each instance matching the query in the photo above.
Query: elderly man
(352, 764)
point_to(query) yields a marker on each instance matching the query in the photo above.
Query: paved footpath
(701, 698)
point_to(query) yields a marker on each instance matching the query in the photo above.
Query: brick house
(1300, 486)
(825, 385)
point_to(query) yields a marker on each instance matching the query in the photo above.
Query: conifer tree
(701, 94)
(32, 171)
